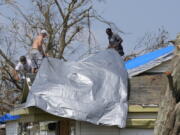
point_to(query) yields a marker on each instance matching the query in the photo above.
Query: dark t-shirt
(116, 40)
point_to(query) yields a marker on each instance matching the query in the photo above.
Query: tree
(168, 121)
(10, 90)
(65, 20)
(149, 42)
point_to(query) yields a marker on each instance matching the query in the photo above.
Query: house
(146, 89)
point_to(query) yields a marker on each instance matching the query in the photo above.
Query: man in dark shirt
(115, 41)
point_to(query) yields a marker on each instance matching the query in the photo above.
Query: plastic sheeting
(8, 117)
(145, 62)
(93, 89)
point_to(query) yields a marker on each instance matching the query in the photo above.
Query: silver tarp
(93, 89)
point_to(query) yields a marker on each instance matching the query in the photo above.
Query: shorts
(36, 58)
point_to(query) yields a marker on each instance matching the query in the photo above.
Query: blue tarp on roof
(8, 117)
(142, 60)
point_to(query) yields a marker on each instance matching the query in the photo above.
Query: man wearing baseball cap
(37, 52)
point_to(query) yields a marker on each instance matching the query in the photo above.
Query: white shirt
(25, 68)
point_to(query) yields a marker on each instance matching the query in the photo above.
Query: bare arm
(41, 46)
(42, 51)
(15, 75)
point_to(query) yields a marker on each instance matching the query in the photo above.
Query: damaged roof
(150, 60)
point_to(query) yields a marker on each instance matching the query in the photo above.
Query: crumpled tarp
(150, 60)
(93, 89)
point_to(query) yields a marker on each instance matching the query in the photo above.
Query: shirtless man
(37, 52)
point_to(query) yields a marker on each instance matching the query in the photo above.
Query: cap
(44, 32)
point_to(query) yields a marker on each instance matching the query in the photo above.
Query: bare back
(37, 44)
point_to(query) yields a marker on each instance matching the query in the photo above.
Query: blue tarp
(8, 117)
(141, 60)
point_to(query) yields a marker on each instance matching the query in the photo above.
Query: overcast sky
(135, 18)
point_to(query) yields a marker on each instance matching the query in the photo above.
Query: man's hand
(15, 75)
(44, 55)
(111, 46)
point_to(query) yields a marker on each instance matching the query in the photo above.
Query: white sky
(135, 18)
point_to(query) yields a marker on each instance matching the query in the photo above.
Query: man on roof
(37, 52)
(24, 66)
(115, 41)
